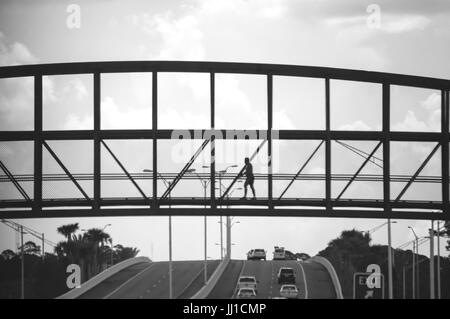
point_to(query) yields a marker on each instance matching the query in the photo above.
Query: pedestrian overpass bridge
(34, 205)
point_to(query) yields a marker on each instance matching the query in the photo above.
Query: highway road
(151, 281)
(312, 279)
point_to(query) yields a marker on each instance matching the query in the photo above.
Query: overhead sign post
(362, 288)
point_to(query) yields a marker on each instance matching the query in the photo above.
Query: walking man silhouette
(249, 178)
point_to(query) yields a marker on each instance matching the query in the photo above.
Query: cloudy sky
(403, 36)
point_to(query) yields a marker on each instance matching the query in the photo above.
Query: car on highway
(286, 275)
(247, 282)
(279, 253)
(256, 254)
(289, 291)
(246, 293)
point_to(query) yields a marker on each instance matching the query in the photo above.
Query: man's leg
(245, 189)
(253, 190)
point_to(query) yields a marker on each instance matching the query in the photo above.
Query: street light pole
(389, 253)
(439, 260)
(43, 247)
(415, 258)
(404, 286)
(170, 249)
(391, 291)
(22, 267)
(221, 219)
(112, 253)
(167, 183)
(205, 222)
(414, 271)
(432, 260)
(170, 256)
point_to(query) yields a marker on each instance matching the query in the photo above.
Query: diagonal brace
(184, 169)
(242, 170)
(65, 170)
(124, 170)
(359, 170)
(15, 182)
(301, 170)
(417, 172)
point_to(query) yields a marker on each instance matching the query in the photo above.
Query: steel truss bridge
(223, 204)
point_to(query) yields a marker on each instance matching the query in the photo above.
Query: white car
(289, 291)
(246, 293)
(278, 253)
(256, 254)
(247, 282)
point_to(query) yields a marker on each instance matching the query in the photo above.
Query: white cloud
(78, 122)
(116, 117)
(180, 37)
(433, 101)
(80, 88)
(356, 126)
(268, 9)
(48, 88)
(15, 53)
(284, 120)
(16, 94)
(404, 23)
(411, 123)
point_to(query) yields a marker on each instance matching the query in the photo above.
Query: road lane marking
(128, 281)
(240, 274)
(202, 270)
(304, 279)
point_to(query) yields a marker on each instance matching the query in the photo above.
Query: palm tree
(68, 230)
(98, 238)
(79, 251)
(124, 253)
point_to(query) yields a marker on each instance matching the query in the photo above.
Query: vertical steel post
(213, 141)
(37, 186)
(97, 140)
(327, 147)
(445, 150)
(155, 140)
(269, 138)
(386, 147)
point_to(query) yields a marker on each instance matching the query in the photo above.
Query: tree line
(352, 252)
(45, 276)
